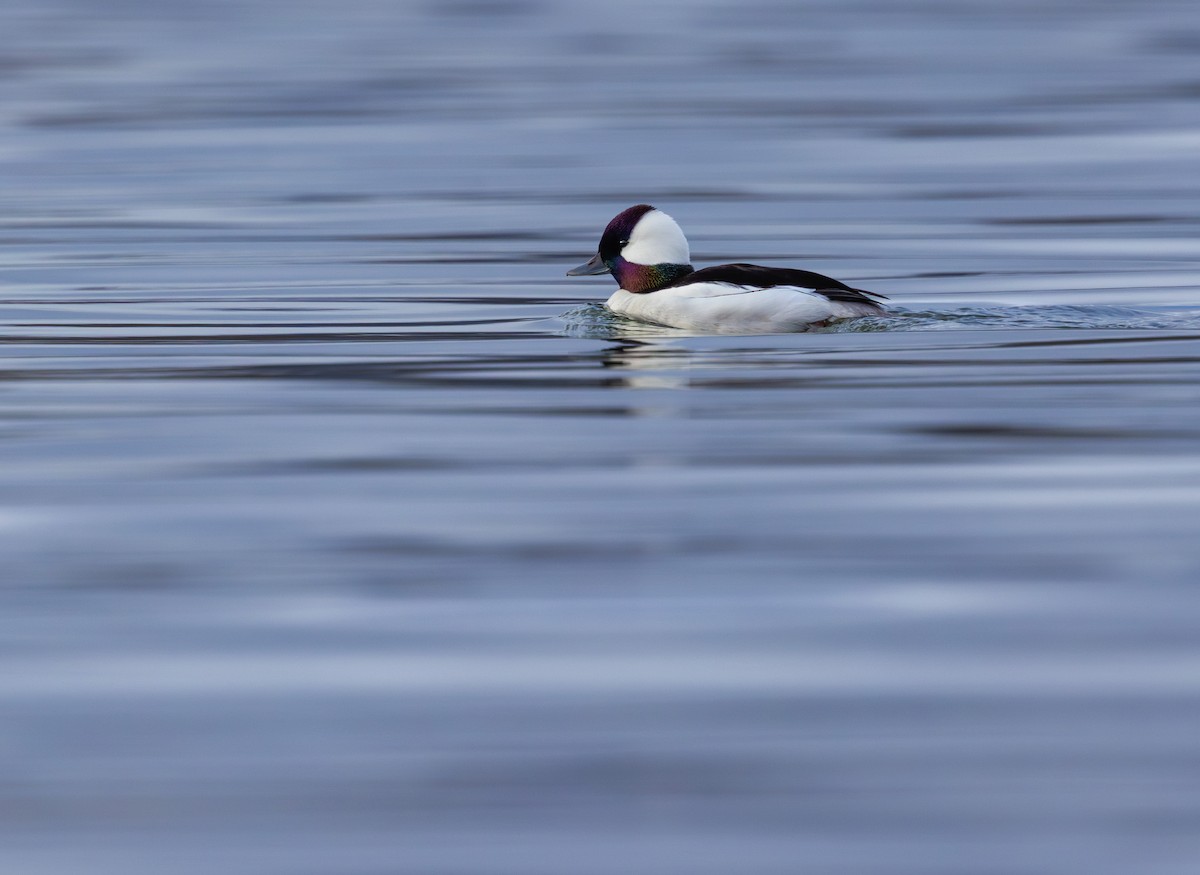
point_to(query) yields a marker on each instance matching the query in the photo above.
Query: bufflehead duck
(647, 253)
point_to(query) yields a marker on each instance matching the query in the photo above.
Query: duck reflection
(648, 364)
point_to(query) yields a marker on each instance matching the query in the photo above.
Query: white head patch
(657, 239)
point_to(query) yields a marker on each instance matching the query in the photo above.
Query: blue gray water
(341, 533)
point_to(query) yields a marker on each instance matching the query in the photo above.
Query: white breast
(729, 309)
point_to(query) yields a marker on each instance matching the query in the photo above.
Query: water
(342, 533)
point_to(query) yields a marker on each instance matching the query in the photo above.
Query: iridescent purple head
(619, 231)
(643, 248)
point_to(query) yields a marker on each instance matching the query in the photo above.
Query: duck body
(746, 298)
(647, 253)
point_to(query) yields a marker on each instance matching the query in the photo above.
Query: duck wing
(754, 276)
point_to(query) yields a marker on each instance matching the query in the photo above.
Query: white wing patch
(717, 290)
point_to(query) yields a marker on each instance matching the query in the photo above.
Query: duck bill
(592, 268)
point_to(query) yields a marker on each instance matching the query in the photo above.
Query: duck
(648, 254)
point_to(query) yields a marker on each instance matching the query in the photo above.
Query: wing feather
(755, 276)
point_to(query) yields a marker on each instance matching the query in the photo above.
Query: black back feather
(757, 276)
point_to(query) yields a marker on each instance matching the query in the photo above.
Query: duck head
(643, 248)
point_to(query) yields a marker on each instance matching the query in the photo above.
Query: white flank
(729, 309)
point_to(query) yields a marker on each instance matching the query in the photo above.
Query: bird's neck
(639, 278)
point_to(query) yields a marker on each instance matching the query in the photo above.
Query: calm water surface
(341, 533)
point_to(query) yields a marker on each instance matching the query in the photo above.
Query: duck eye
(623, 243)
